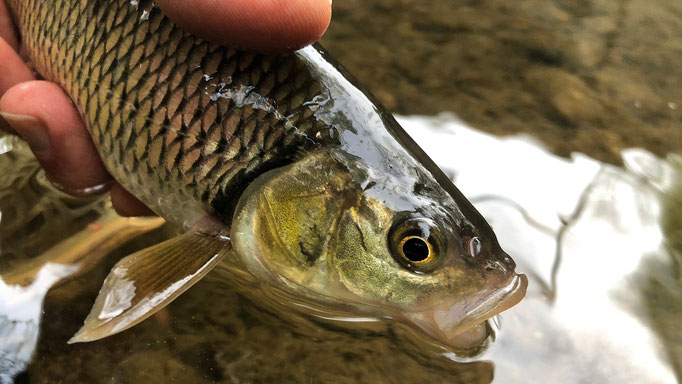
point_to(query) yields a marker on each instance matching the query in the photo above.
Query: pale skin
(52, 126)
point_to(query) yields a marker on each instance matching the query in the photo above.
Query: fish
(281, 159)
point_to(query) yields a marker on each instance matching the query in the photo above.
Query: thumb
(254, 25)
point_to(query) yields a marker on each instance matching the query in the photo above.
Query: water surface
(602, 303)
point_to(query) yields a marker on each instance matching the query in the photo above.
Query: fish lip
(449, 322)
(479, 311)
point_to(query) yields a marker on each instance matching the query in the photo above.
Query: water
(588, 234)
(589, 76)
(601, 244)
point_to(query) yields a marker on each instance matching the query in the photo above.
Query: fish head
(332, 227)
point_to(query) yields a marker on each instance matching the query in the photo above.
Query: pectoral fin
(146, 281)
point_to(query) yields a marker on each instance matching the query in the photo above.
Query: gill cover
(284, 224)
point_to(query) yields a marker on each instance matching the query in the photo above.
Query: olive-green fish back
(182, 123)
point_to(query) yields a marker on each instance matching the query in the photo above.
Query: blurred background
(591, 76)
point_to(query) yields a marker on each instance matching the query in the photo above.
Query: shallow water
(605, 288)
(602, 306)
(602, 245)
(593, 76)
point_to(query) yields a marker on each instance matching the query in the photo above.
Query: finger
(255, 25)
(126, 204)
(7, 31)
(13, 70)
(41, 113)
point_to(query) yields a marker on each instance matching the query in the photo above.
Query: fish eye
(416, 243)
(416, 249)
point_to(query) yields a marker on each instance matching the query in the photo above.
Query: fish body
(184, 124)
(280, 157)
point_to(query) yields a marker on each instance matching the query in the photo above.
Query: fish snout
(491, 258)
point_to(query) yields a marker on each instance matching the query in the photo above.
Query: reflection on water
(45, 236)
(20, 311)
(603, 304)
(594, 234)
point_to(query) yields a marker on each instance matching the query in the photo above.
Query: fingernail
(82, 192)
(30, 129)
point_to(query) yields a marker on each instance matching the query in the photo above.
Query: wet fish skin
(203, 133)
(182, 123)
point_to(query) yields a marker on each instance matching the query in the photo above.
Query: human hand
(42, 114)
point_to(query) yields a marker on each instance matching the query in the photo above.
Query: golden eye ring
(417, 243)
(416, 250)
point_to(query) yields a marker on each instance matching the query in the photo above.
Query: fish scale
(182, 123)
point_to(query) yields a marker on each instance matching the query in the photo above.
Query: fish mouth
(462, 325)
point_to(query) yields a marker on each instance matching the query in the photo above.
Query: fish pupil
(416, 249)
